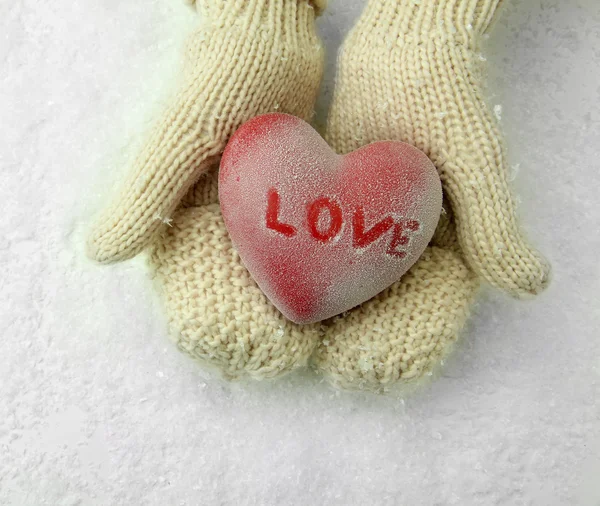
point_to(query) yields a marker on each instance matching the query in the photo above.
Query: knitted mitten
(411, 71)
(251, 57)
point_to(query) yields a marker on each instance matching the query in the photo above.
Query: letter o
(335, 222)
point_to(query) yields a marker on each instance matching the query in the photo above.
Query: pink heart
(319, 232)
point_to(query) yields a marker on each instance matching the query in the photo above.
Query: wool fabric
(412, 71)
(248, 58)
(409, 70)
(319, 5)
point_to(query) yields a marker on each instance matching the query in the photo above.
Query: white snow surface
(97, 407)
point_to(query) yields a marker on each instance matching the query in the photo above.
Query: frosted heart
(319, 232)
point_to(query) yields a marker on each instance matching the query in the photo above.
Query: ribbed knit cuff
(319, 5)
(462, 21)
(291, 19)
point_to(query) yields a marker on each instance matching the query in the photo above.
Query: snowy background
(98, 408)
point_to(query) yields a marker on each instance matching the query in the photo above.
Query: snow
(97, 407)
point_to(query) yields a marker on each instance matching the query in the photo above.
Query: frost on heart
(320, 232)
(362, 236)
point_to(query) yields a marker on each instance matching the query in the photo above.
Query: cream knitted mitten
(411, 71)
(251, 57)
(408, 71)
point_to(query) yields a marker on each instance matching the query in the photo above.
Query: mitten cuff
(462, 21)
(319, 5)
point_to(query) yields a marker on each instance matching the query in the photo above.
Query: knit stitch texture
(319, 5)
(251, 57)
(411, 71)
(408, 71)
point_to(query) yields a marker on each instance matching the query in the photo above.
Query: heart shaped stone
(319, 232)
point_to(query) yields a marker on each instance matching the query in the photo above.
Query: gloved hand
(411, 71)
(251, 57)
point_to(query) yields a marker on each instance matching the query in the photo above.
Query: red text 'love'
(362, 236)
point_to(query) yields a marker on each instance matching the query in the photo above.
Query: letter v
(360, 238)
